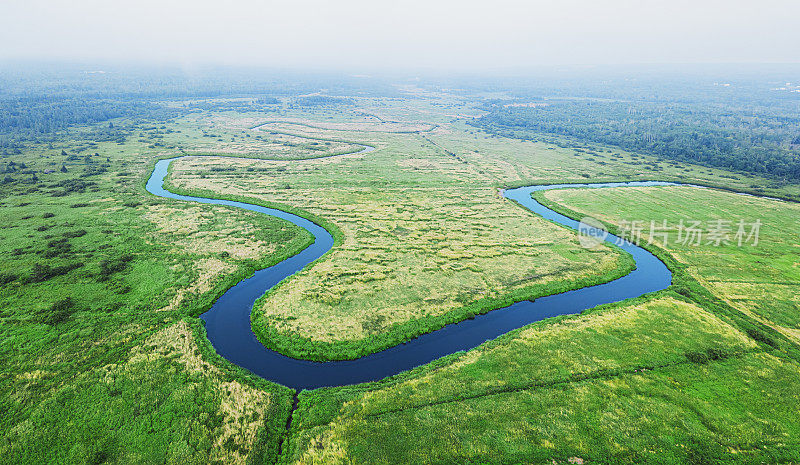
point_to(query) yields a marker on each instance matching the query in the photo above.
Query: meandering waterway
(228, 320)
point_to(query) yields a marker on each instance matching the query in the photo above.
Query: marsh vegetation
(104, 359)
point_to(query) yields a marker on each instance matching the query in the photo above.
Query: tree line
(760, 142)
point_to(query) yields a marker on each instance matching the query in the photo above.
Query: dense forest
(752, 140)
(43, 114)
(322, 100)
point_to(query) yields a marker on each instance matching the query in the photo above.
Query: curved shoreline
(228, 321)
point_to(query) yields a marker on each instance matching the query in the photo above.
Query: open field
(369, 124)
(434, 210)
(98, 283)
(547, 159)
(760, 279)
(428, 245)
(631, 374)
(655, 380)
(102, 284)
(226, 135)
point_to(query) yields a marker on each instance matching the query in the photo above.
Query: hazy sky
(373, 34)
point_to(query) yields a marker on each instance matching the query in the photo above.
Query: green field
(101, 286)
(760, 279)
(628, 383)
(421, 243)
(659, 380)
(104, 359)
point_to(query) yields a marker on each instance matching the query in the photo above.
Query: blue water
(228, 320)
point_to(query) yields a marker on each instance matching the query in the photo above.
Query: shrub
(57, 247)
(6, 278)
(697, 357)
(711, 354)
(77, 233)
(58, 312)
(41, 273)
(717, 353)
(109, 267)
(760, 336)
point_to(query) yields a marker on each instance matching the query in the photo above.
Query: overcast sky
(374, 34)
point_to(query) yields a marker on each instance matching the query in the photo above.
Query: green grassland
(761, 280)
(547, 159)
(418, 221)
(658, 380)
(104, 359)
(94, 269)
(415, 253)
(248, 137)
(661, 379)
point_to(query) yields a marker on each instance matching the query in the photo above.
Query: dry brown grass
(204, 233)
(201, 231)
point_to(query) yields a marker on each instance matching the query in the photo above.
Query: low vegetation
(413, 254)
(623, 384)
(105, 360)
(100, 288)
(760, 279)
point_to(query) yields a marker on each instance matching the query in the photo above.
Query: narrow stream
(228, 320)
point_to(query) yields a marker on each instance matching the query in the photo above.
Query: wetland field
(105, 358)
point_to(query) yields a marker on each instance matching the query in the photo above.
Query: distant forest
(42, 99)
(321, 100)
(758, 141)
(41, 114)
(747, 126)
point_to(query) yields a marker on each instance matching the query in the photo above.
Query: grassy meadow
(100, 286)
(104, 360)
(424, 240)
(656, 380)
(759, 279)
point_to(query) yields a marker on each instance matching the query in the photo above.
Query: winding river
(228, 320)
